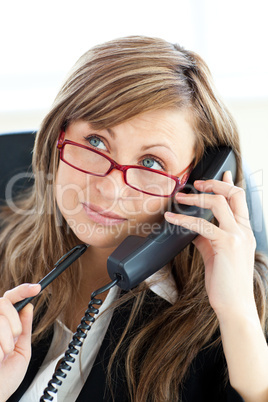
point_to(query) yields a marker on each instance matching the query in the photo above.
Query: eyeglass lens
(140, 179)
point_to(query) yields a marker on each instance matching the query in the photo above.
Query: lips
(100, 215)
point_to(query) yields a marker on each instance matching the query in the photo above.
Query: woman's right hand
(15, 338)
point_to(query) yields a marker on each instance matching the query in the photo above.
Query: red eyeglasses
(140, 178)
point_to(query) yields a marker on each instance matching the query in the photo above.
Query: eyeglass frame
(123, 168)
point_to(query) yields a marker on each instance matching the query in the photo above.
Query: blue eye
(96, 142)
(152, 163)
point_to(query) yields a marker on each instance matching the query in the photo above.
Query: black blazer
(205, 382)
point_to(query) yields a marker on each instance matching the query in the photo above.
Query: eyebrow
(145, 147)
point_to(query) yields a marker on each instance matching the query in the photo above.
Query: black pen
(60, 266)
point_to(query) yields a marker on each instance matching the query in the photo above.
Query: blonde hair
(110, 84)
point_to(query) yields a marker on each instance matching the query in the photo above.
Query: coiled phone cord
(76, 343)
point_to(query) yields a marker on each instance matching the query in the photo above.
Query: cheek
(153, 209)
(150, 216)
(68, 190)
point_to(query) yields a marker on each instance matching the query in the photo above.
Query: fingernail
(34, 286)
(180, 195)
(198, 182)
(169, 214)
(229, 175)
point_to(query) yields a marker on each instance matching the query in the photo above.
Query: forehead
(171, 128)
(169, 124)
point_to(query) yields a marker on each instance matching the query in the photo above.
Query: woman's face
(102, 211)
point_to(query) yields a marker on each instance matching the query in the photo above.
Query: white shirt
(73, 383)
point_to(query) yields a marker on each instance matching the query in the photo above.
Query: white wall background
(41, 40)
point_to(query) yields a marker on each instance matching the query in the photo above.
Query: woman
(194, 331)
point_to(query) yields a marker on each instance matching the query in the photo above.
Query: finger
(198, 225)
(227, 177)
(234, 195)
(22, 291)
(23, 344)
(216, 203)
(7, 341)
(11, 297)
(8, 313)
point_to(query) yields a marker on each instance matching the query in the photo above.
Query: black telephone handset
(138, 257)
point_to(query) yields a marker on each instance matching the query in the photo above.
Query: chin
(102, 239)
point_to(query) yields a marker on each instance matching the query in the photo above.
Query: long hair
(110, 84)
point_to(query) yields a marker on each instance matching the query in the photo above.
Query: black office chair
(15, 168)
(15, 163)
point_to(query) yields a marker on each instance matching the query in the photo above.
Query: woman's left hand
(228, 254)
(227, 250)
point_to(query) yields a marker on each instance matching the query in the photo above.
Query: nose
(113, 185)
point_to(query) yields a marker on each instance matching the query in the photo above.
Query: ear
(61, 139)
